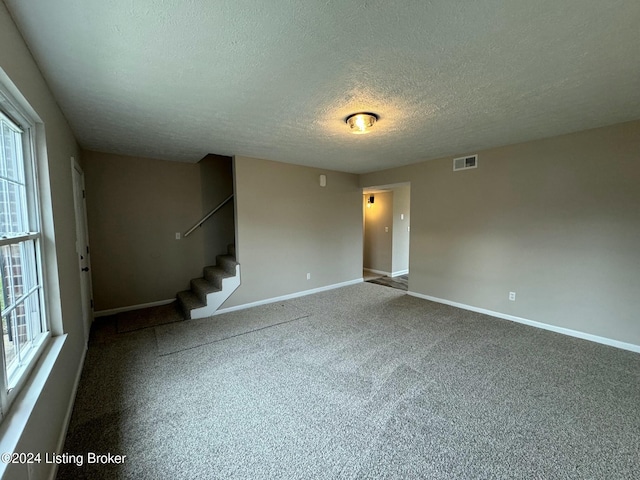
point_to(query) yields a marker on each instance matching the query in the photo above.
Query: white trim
(17, 418)
(24, 237)
(383, 188)
(67, 417)
(532, 323)
(14, 105)
(400, 272)
(379, 272)
(17, 109)
(112, 311)
(289, 296)
(81, 221)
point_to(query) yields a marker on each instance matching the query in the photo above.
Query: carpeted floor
(359, 382)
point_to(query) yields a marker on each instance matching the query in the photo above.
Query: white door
(82, 246)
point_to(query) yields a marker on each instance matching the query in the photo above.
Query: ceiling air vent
(465, 163)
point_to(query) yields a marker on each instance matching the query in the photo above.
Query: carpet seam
(230, 337)
(121, 332)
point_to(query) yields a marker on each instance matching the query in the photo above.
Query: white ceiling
(177, 79)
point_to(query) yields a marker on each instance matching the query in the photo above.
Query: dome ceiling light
(361, 122)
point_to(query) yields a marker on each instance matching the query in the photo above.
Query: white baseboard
(289, 296)
(67, 417)
(379, 272)
(399, 272)
(545, 326)
(112, 311)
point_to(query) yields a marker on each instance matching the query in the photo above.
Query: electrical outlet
(308, 276)
(386, 229)
(177, 235)
(512, 296)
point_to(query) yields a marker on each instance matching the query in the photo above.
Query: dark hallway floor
(400, 282)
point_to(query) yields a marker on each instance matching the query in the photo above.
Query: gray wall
(555, 220)
(135, 206)
(400, 250)
(45, 424)
(289, 226)
(378, 244)
(216, 178)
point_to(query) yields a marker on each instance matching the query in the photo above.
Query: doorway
(386, 234)
(82, 246)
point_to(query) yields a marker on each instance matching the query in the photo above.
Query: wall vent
(465, 163)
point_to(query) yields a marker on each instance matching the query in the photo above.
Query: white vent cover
(465, 163)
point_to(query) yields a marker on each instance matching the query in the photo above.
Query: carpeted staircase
(211, 290)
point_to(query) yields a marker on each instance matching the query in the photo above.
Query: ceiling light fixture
(361, 122)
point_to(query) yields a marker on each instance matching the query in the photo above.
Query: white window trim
(10, 108)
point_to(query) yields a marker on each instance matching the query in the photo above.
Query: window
(24, 325)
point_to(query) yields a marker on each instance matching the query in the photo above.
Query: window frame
(11, 111)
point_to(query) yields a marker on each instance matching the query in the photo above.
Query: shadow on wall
(216, 176)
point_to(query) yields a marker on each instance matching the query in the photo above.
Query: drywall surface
(401, 222)
(56, 144)
(288, 226)
(216, 178)
(378, 243)
(554, 220)
(135, 207)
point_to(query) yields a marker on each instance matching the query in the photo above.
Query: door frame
(395, 223)
(82, 245)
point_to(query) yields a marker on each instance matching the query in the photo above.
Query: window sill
(16, 419)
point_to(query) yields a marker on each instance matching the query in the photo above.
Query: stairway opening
(221, 277)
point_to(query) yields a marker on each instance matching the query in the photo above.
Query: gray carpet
(175, 337)
(360, 382)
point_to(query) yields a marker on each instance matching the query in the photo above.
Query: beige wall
(378, 244)
(401, 220)
(556, 220)
(135, 206)
(46, 412)
(289, 226)
(216, 178)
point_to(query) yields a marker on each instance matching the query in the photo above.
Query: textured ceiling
(177, 79)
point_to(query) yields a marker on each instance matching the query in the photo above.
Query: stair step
(188, 301)
(215, 275)
(202, 286)
(211, 282)
(227, 263)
